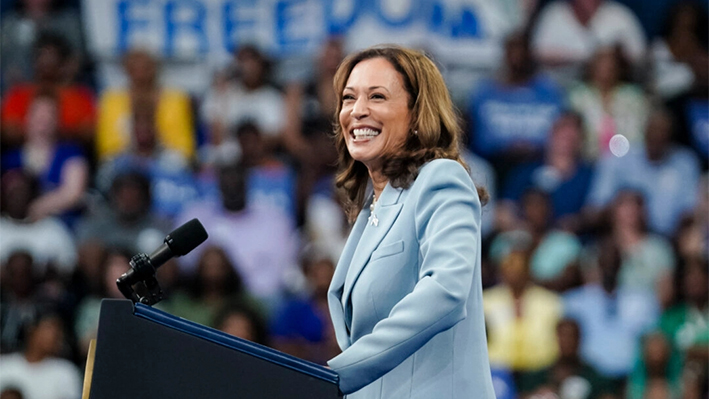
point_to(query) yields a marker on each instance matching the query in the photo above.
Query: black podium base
(145, 353)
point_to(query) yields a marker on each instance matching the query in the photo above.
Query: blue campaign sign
(195, 28)
(196, 37)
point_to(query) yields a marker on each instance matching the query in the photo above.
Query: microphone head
(187, 237)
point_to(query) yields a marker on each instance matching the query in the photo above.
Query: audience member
(570, 376)
(520, 317)
(568, 32)
(243, 321)
(172, 181)
(21, 28)
(38, 371)
(75, 104)
(125, 220)
(682, 40)
(690, 108)
(667, 174)
(654, 375)
(511, 115)
(485, 175)
(562, 174)
(215, 284)
(21, 300)
(310, 107)
(271, 182)
(686, 324)
(554, 253)
(311, 101)
(48, 240)
(302, 326)
(647, 259)
(609, 103)
(244, 94)
(172, 108)
(85, 326)
(612, 317)
(87, 278)
(317, 167)
(60, 166)
(326, 225)
(11, 393)
(261, 243)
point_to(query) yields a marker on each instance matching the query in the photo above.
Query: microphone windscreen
(187, 237)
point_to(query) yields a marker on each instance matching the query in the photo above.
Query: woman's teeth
(364, 134)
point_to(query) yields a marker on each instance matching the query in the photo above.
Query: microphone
(179, 242)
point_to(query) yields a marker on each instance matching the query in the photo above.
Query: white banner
(198, 36)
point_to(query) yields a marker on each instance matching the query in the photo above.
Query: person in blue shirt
(512, 115)
(562, 173)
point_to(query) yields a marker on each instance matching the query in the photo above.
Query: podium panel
(142, 352)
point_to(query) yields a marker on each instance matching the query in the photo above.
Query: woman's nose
(360, 108)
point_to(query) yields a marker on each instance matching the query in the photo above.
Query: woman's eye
(347, 97)
(378, 96)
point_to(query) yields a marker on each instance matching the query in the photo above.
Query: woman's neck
(379, 181)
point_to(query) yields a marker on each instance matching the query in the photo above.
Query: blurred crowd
(592, 138)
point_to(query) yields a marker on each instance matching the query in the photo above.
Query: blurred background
(587, 120)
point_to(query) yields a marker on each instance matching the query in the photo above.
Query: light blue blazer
(406, 296)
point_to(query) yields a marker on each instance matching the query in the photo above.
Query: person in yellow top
(173, 111)
(521, 318)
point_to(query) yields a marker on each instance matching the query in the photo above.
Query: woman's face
(213, 269)
(566, 137)
(605, 68)
(141, 69)
(375, 116)
(627, 210)
(42, 120)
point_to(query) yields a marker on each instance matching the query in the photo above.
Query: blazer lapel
(337, 311)
(387, 210)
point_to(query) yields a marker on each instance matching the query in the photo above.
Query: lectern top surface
(221, 338)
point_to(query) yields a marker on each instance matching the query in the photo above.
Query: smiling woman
(375, 114)
(406, 296)
(400, 95)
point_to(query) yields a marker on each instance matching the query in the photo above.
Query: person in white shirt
(48, 240)
(37, 372)
(568, 32)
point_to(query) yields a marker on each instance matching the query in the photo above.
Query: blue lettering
(236, 20)
(468, 26)
(437, 16)
(175, 25)
(339, 26)
(287, 16)
(394, 23)
(127, 23)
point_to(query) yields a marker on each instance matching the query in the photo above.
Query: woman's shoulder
(440, 165)
(443, 169)
(443, 173)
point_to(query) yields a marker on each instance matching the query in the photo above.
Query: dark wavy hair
(435, 130)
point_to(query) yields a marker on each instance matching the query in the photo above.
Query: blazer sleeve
(447, 223)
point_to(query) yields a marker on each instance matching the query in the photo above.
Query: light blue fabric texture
(406, 297)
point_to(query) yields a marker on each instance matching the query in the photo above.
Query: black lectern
(142, 352)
